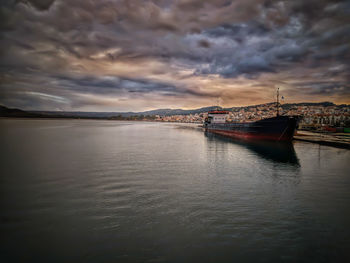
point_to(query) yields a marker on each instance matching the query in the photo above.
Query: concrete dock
(341, 140)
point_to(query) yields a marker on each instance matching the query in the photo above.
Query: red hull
(249, 136)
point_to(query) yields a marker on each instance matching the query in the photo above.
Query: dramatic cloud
(135, 55)
(39, 4)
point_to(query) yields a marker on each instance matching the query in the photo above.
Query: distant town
(313, 116)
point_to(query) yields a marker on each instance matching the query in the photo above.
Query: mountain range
(8, 112)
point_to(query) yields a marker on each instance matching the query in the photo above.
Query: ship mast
(278, 94)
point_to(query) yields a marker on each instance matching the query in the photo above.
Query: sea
(115, 191)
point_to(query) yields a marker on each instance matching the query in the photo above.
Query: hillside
(8, 112)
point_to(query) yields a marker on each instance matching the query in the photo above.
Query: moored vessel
(279, 128)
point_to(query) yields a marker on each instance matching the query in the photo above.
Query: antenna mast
(278, 94)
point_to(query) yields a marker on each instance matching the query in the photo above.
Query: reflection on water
(280, 152)
(110, 191)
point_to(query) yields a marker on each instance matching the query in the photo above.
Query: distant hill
(169, 112)
(162, 112)
(78, 114)
(323, 104)
(7, 112)
(287, 105)
(177, 111)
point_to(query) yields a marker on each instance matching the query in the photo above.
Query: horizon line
(253, 105)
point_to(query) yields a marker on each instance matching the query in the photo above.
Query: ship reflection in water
(280, 152)
(114, 191)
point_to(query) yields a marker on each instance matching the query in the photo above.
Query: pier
(340, 140)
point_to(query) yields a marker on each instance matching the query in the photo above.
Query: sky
(127, 55)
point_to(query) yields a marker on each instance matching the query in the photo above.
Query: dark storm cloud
(61, 42)
(113, 84)
(203, 43)
(238, 31)
(326, 87)
(39, 4)
(309, 35)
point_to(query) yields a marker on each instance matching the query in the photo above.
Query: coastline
(335, 140)
(339, 140)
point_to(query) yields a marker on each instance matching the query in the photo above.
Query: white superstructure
(217, 116)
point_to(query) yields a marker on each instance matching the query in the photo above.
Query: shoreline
(338, 140)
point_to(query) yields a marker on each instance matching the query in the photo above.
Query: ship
(279, 128)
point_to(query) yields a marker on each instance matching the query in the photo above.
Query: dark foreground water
(109, 191)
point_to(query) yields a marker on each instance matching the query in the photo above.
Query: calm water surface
(109, 191)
